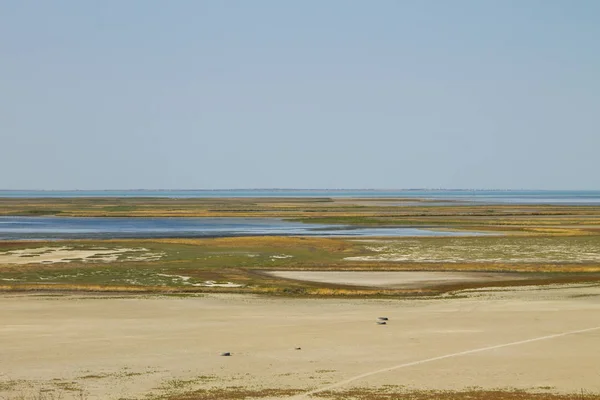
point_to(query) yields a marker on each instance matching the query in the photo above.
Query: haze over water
(485, 196)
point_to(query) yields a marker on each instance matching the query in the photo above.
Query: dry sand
(119, 347)
(392, 279)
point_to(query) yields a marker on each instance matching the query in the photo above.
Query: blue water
(582, 197)
(23, 228)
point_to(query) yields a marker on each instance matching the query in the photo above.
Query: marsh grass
(187, 263)
(371, 212)
(546, 243)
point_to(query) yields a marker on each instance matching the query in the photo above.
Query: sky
(208, 94)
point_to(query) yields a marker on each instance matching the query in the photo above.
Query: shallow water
(17, 228)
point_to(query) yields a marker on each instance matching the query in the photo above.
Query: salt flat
(129, 347)
(393, 279)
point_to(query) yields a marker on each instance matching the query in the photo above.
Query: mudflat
(111, 347)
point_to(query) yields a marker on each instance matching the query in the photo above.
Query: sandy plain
(134, 347)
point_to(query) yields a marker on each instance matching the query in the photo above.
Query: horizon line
(289, 189)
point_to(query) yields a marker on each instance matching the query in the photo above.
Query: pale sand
(129, 347)
(51, 255)
(392, 279)
(186, 281)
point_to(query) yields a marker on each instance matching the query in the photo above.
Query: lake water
(19, 228)
(486, 196)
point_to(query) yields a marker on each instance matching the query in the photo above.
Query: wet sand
(114, 347)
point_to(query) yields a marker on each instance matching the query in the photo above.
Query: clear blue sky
(305, 94)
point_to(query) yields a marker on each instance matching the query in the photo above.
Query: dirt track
(116, 347)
